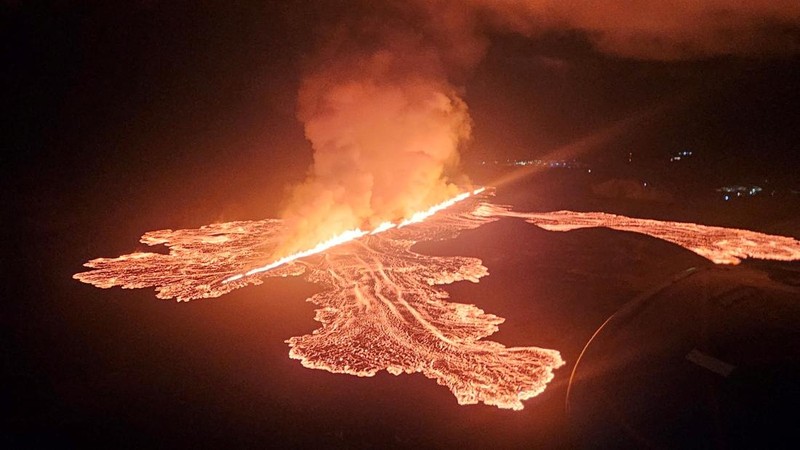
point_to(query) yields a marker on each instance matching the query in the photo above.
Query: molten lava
(718, 244)
(350, 235)
(381, 307)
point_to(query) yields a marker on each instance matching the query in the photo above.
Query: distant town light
(683, 154)
(740, 191)
(552, 164)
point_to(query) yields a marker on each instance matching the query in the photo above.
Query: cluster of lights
(730, 192)
(680, 155)
(552, 164)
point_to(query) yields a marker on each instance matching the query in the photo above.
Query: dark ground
(85, 366)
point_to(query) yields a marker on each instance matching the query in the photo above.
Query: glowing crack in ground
(381, 307)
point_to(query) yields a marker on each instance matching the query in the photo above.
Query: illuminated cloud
(658, 30)
(385, 124)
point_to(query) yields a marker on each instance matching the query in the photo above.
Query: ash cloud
(382, 102)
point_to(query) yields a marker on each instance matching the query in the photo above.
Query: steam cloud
(385, 122)
(384, 112)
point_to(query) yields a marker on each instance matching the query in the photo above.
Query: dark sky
(143, 98)
(104, 95)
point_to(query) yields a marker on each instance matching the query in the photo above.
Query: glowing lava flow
(350, 235)
(717, 244)
(380, 308)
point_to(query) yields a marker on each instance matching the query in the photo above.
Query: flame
(351, 235)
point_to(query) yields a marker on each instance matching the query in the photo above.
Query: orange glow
(717, 244)
(350, 235)
(347, 236)
(381, 307)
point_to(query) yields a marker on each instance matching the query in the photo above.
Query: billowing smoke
(382, 103)
(385, 123)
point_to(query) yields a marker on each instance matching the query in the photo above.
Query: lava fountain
(381, 307)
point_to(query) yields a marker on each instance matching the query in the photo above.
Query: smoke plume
(385, 122)
(382, 102)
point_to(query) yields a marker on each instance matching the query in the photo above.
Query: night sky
(126, 117)
(143, 97)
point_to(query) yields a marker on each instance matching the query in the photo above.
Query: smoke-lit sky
(169, 100)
